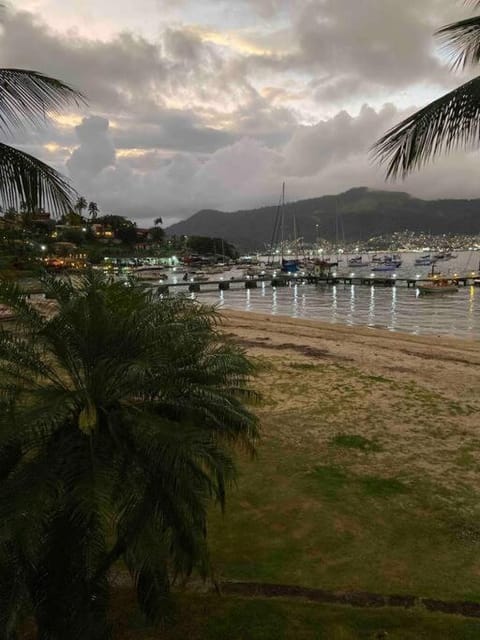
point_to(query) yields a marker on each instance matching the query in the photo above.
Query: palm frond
(448, 123)
(461, 40)
(24, 178)
(26, 97)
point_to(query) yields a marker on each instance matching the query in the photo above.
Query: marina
(354, 297)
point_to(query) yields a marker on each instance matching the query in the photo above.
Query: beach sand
(417, 396)
(449, 365)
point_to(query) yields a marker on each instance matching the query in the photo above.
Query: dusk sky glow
(214, 104)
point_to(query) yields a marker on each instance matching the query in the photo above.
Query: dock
(289, 280)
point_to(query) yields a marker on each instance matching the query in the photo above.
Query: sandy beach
(449, 365)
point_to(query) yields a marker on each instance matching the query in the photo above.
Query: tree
(117, 420)
(80, 205)
(123, 228)
(93, 210)
(158, 221)
(25, 98)
(447, 123)
(156, 234)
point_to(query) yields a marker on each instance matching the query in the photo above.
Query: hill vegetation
(355, 215)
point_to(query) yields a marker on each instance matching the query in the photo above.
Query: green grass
(324, 506)
(206, 617)
(352, 441)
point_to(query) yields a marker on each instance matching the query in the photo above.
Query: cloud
(217, 107)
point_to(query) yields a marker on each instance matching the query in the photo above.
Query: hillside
(361, 212)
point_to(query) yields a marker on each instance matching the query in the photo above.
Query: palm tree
(93, 210)
(80, 205)
(157, 221)
(25, 98)
(447, 123)
(118, 418)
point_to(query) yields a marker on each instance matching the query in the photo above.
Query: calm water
(396, 308)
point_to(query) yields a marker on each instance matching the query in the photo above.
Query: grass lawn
(212, 618)
(361, 483)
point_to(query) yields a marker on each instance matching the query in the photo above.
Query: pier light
(372, 275)
(394, 275)
(455, 275)
(417, 276)
(352, 274)
(334, 274)
(43, 247)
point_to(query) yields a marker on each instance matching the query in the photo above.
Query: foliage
(156, 234)
(72, 234)
(447, 123)
(117, 420)
(80, 205)
(26, 96)
(93, 210)
(204, 245)
(123, 228)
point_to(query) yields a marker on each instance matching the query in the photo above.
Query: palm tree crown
(25, 99)
(93, 210)
(447, 123)
(118, 414)
(80, 205)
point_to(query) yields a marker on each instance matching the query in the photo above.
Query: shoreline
(449, 364)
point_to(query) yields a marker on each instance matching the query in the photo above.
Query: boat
(196, 276)
(357, 261)
(438, 284)
(445, 256)
(425, 261)
(384, 267)
(150, 272)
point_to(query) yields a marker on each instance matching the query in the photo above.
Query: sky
(214, 104)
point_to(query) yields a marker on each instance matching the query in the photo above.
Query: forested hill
(358, 214)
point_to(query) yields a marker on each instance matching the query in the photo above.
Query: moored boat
(357, 261)
(150, 272)
(424, 261)
(438, 284)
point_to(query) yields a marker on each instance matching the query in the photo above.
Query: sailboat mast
(295, 240)
(282, 227)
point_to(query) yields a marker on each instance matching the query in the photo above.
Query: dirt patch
(352, 598)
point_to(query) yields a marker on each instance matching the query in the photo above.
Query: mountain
(357, 214)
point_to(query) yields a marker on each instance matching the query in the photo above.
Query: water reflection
(334, 303)
(393, 317)
(274, 300)
(398, 309)
(248, 298)
(371, 307)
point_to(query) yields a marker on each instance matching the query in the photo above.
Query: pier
(289, 280)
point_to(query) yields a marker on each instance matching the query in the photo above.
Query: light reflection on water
(396, 309)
